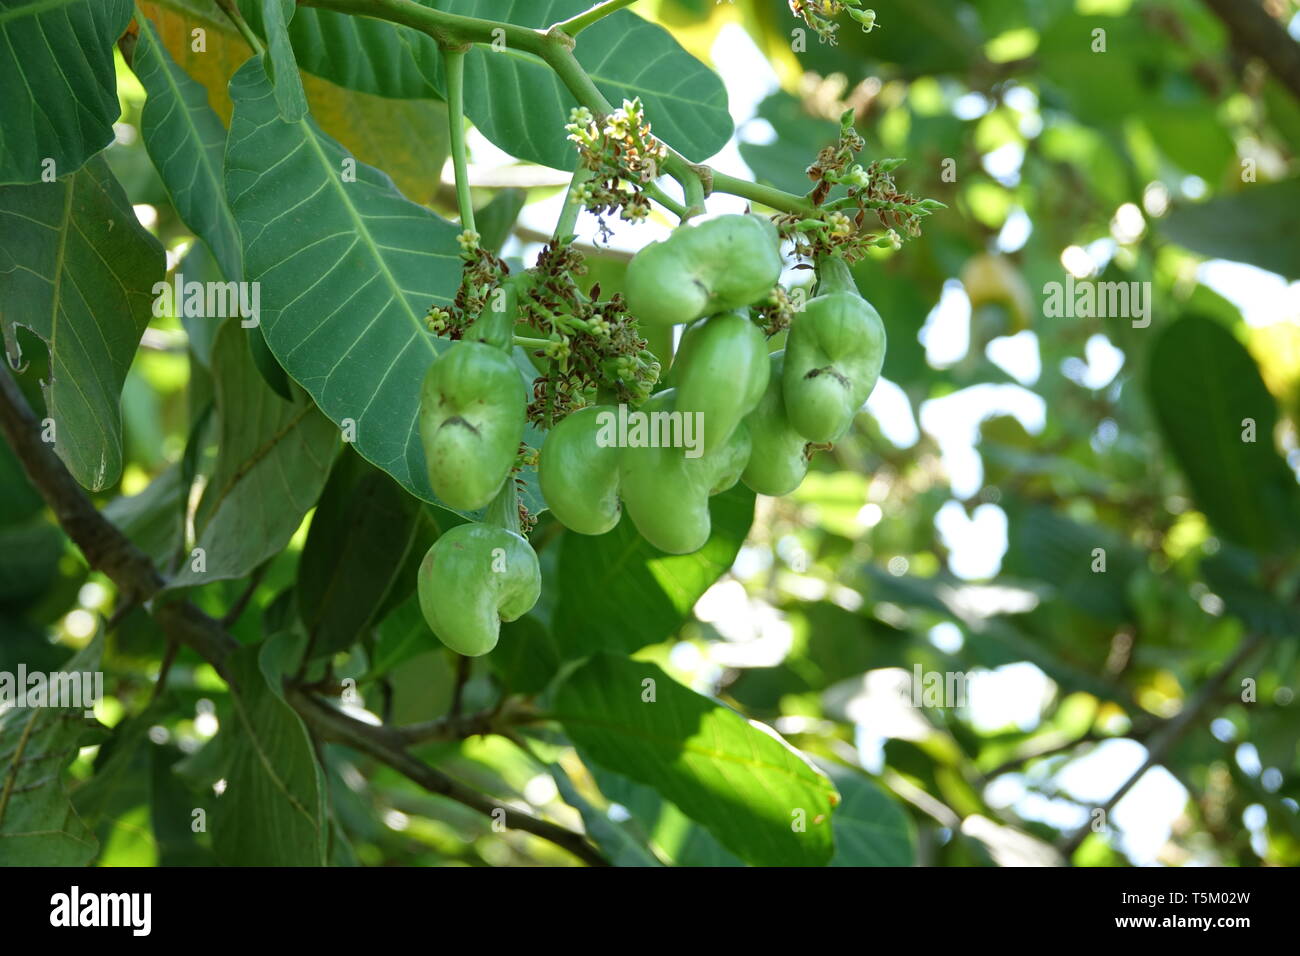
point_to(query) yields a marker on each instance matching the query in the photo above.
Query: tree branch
(108, 550)
(386, 745)
(1254, 31)
(1172, 731)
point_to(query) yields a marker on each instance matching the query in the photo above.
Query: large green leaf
(361, 53)
(518, 103)
(870, 828)
(29, 558)
(347, 272)
(621, 847)
(672, 833)
(514, 98)
(366, 541)
(619, 593)
(1255, 225)
(78, 269)
(186, 141)
(753, 791)
(273, 458)
(1203, 385)
(407, 137)
(272, 812)
(279, 62)
(615, 592)
(38, 825)
(56, 68)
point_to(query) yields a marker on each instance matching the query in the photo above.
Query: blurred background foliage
(956, 530)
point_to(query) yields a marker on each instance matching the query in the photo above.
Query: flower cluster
(590, 346)
(819, 14)
(483, 272)
(848, 225)
(621, 158)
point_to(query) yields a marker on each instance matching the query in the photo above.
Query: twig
(458, 692)
(576, 24)
(384, 745)
(1256, 32)
(1171, 732)
(106, 549)
(229, 619)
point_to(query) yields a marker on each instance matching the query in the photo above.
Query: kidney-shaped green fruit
(472, 407)
(833, 357)
(474, 577)
(723, 264)
(730, 460)
(777, 461)
(720, 371)
(666, 492)
(579, 471)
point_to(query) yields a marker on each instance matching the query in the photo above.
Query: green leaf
(171, 809)
(669, 831)
(403, 634)
(272, 812)
(518, 103)
(154, 519)
(186, 140)
(347, 271)
(739, 779)
(273, 458)
(1203, 386)
(366, 541)
(514, 98)
(495, 220)
(38, 825)
(29, 559)
(56, 60)
(114, 786)
(371, 56)
(619, 846)
(279, 62)
(78, 269)
(1255, 225)
(870, 828)
(619, 593)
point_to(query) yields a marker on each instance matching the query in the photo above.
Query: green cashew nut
(472, 407)
(474, 577)
(579, 475)
(779, 462)
(666, 494)
(731, 459)
(833, 356)
(723, 264)
(720, 371)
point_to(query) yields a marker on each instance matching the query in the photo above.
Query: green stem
(568, 220)
(575, 25)
(230, 10)
(454, 63)
(524, 342)
(555, 48)
(667, 201)
(504, 510)
(767, 195)
(833, 275)
(449, 29)
(693, 189)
